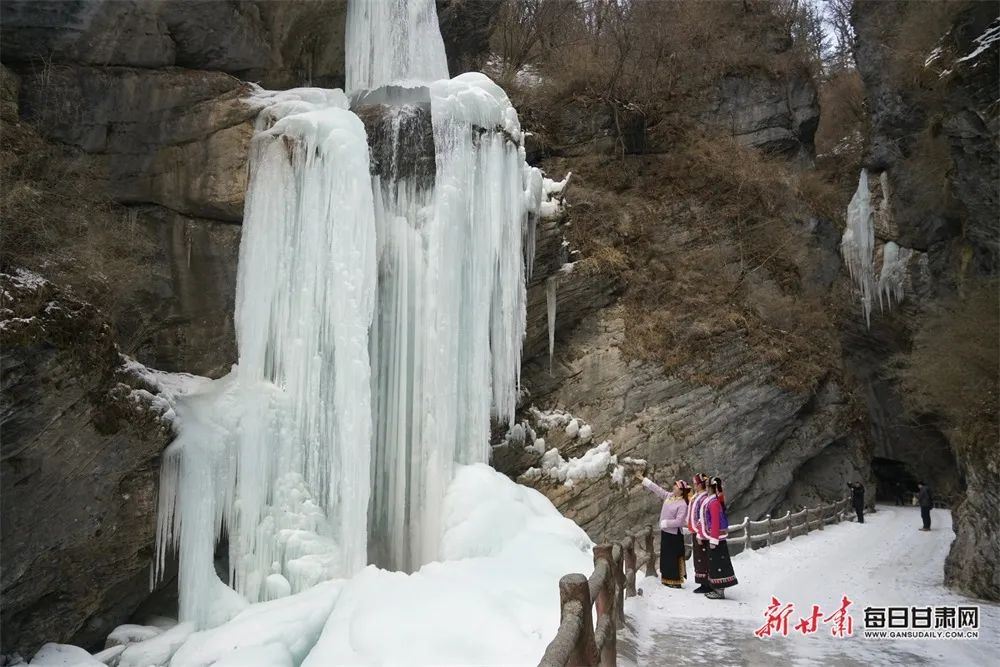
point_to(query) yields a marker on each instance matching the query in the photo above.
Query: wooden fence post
(617, 558)
(651, 554)
(629, 545)
(606, 602)
(747, 535)
(574, 587)
(768, 530)
(822, 519)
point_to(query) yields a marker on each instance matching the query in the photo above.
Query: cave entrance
(894, 483)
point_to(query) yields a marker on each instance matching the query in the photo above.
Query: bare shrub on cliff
(651, 57)
(526, 29)
(915, 30)
(954, 366)
(711, 243)
(710, 238)
(843, 128)
(56, 222)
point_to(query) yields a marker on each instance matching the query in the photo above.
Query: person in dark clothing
(926, 502)
(900, 492)
(858, 499)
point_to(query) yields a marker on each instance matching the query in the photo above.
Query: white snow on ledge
(984, 41)
(26, 279)
(933, 55)
(169, 387)
(593, 464)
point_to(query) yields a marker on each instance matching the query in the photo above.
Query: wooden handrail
(583, 640)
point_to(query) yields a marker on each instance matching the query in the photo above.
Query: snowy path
(885, 562)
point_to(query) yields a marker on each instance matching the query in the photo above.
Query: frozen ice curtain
(379, 323)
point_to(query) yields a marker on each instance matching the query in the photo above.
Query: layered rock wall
(80, 454)
(729, 412)
(936, 144)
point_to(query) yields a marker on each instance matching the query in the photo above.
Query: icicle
(167, 518)
(533, 195)
(857, 244)
(529, 244)
(893, 274)
(550, 304)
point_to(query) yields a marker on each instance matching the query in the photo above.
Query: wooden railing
(582, 640)
(579, 640)
(770, 531)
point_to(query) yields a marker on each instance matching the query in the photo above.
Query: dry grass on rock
(58, 221)
(712, 244)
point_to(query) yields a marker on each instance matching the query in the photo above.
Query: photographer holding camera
(858, 499)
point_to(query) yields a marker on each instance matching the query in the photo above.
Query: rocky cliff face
(279, 45)
(775, 115)
(82, 438)
(934, 137)
(730, 410)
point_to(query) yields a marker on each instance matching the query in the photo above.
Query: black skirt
(699, 551)
(672, 567)
(720, 567)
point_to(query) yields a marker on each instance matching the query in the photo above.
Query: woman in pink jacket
(673, 516)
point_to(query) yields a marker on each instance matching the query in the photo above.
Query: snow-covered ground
(886, 561)
(492, 599)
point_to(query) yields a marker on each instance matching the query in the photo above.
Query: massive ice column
(447, 338)
(281, 459)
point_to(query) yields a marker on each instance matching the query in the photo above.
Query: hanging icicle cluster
(857, 247)
(857, 244)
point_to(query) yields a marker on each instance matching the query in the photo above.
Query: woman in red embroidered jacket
(715, 525)
(699, 545)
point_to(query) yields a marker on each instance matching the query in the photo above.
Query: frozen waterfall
(447, 338)
(393, 42)
(282, 464)
(380, 316)
(858, 244)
